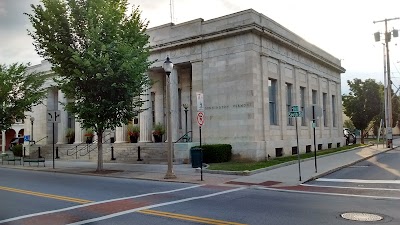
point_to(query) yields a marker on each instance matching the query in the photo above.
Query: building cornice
(253, 27)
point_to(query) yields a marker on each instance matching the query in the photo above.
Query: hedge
(17, 150)
(216, 153)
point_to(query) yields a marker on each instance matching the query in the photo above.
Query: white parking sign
(200, 102)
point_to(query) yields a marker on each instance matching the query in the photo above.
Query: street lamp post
(32, 119)
(185, 106)
(168, 66)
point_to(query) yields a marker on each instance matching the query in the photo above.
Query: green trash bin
(196, 156)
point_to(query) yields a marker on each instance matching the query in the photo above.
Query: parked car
(350, 137)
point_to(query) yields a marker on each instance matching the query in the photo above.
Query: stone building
(250, 69)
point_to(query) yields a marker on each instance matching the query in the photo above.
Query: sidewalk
(281, 176)
(289, 175)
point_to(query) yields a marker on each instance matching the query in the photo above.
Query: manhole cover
(365, 217)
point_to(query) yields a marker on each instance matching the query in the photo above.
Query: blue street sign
(27, 137)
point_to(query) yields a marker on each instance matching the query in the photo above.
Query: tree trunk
(99, 151)
(362, 136)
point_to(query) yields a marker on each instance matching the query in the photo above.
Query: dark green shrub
(216, 153)
(17, 150)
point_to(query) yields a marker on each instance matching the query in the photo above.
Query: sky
(343, 28)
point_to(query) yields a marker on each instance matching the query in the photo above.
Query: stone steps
(123, 152)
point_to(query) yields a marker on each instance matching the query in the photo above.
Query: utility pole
(389, 136)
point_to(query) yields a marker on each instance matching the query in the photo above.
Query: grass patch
(374, 140)
(242, 166)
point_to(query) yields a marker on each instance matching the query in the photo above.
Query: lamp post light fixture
(168, 66)
(32, 119)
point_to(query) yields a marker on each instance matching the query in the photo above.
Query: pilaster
(197, 86)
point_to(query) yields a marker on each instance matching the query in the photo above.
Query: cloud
(3, 10)
(17, 45)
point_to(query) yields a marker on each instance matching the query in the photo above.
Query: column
(3, 141)
(78, 132)
(120, 134)
(145, 117)
(63, 125)
(52, 101)
(174, 104)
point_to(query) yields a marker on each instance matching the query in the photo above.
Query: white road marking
(333, 194)
(95, 203)
(153, 206)
(361, 188)
(360, 181)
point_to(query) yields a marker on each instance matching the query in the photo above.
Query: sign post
(312, 112)
(200, 122)
(53, 117)
(294, 113)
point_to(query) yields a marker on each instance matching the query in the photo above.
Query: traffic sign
(200, 118)
(27, 137)
(296, 114)
(200, 102)
(53, 116)
(294, 108)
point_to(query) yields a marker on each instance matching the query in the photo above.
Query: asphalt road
(380, 173)
(29, 197)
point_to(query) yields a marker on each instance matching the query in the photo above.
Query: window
(272, 90)
(69, 122)
(289, 103)
(333, 111)
(294, 150)
(278, 152)
(153, 107)
(315, 102)
(303, 104)
(324, 95)
(180, 107)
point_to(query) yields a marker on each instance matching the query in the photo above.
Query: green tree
(395, 109)
(19, 92)
(101, 56)
(350, 125)
(363, 103)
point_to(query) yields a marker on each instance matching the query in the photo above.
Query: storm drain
(364, 217)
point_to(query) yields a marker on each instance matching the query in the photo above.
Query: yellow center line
(58, 197)
(187, 217)
(147, 211)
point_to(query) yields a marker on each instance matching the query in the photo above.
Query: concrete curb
(248, 173)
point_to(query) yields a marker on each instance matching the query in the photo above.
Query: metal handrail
(34, 142)
(85, 145)
(89, 148)
(185, 135)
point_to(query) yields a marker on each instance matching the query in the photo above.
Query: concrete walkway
(287, 175)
